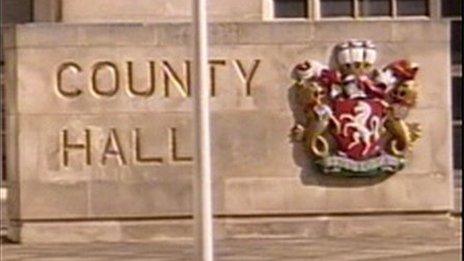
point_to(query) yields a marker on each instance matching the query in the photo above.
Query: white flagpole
(203, 216)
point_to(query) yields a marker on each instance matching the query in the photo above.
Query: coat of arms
(354, 115)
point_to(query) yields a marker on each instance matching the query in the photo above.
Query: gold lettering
(244, 76)
(212, 70)
(130, 81)
(76, 146)
(174, 148)
(113, 148)
(75, 68)
(98, 67)
(183, 86)
(138, 151)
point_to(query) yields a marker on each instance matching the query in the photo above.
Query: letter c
(59, 79)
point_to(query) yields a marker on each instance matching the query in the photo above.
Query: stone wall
(12, 12)
(99, 120)
(143, 11)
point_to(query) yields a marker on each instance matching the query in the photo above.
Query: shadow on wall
(310, 175)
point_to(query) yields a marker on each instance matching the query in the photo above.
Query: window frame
(314, 13)
(456, 72)
(393, 13)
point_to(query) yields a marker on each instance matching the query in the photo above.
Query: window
(456, 42)
(451, 8)
(373, 8)
(290, 9)
(412, 7)
(457, 122)
(457, 98)
(457, 146)
(2, 121)
(334, 8)
(16, 11)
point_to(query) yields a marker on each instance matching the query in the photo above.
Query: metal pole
(203, 218)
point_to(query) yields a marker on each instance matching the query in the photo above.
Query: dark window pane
(3, 121)
(457, 145)
(290, 8)
(16, 11)
(413, 7)
(457, 98)
(451, 7)
(337, 8)
(456, 42)
(375, 7)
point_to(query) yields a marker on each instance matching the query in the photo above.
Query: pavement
(423, 248)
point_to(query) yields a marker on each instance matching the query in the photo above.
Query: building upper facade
(150, 11)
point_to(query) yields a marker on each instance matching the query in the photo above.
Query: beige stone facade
(99, 119)
(143, 11)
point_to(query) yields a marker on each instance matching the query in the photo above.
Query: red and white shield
(360, 123)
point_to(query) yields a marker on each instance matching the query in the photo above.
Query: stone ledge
(437, 226)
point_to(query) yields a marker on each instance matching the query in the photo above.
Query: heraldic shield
(354, 115)
(360, 123)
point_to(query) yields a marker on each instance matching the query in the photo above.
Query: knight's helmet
(356, 56)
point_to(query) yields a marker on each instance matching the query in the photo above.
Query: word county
(105, 79)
